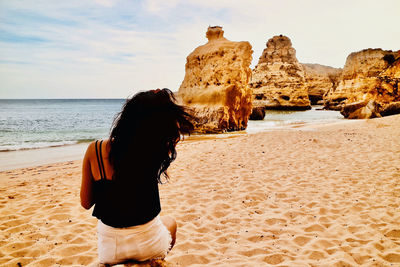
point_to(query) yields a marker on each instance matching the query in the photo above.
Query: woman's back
(128, 202)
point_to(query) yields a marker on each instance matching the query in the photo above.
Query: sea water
(39, 123)
(278, 119)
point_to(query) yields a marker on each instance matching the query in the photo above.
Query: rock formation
(366, 109)
(319, 80)
(390, 109)
(257, 114)
(216, 81)
(278, 80)
(371, 74)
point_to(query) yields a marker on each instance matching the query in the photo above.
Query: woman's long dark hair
(144, 135)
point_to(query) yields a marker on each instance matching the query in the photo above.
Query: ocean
(278, 119)
(39, 123)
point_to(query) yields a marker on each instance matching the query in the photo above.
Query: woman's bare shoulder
(92, 146)
(90, 150)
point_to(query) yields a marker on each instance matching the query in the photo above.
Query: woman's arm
(87, 199)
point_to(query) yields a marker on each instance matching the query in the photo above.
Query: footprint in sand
(222, 240)
(273, 221)
(316, 255)
(274, 259)
(322, 243)
(322, 211)
(315, 228)
(220, 210)
(311, 204)
(391, 257)
(256, 238)
(395, 233)
(301, 240)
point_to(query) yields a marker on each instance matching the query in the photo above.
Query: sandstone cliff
(216, 81)
(367, 75)
(278, 80)
(388, 87)
(385, 101)
(319, 80)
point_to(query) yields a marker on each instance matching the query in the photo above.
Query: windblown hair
(144, 135)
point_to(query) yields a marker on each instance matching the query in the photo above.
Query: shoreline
(18, 156)
(28, 158)
(19, 159)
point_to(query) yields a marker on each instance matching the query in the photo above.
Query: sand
(321, 196)
(35, 157)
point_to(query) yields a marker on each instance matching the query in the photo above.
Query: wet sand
(35, 157)
(326, 195)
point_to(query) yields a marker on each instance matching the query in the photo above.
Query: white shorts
(151, 240)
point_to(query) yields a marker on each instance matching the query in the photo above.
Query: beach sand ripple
(326, 196)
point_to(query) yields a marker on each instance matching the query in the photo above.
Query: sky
(114, 48)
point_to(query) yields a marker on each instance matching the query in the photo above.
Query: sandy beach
(326, 195)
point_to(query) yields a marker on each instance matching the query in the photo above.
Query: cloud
(159, 7)
(110, 48)
(106, 3)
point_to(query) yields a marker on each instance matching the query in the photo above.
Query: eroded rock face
(387, 90)
(319, 80)
(371, 74)
(216, 81)
(366, 109)
(369, 109)
(278, 80)
(390, 109)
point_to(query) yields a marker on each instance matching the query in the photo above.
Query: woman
(120, 178)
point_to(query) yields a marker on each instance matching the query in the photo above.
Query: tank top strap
(99, 159)
(103, 176)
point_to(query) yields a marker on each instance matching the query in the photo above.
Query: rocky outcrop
(257, 114)
(371, 74)
(390, 109)
(278, 80)
(215, 86)
(366, 109)
(387, 90)
(319, 80)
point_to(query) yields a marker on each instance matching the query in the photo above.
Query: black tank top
(125, 204)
